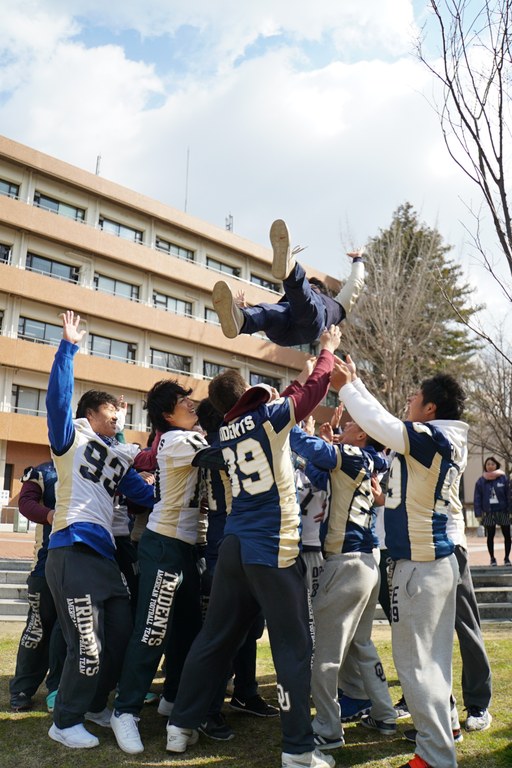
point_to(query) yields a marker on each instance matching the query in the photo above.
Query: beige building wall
(70, 239)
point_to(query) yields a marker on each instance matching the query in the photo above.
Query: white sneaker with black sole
(126, 731)
(75, 737)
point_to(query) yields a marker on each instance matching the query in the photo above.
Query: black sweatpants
(93, 609)
(238, 591)
(168, 618)
(42, 649)
(476, 670)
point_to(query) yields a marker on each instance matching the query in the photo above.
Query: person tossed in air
(306, 308)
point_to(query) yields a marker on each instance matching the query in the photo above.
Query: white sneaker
(478, 719)
(230, 316)
(308, 760)
(178, 739)
(282, 259)
(100, 718)
(126, 731)
(165, 707)
(76, 737)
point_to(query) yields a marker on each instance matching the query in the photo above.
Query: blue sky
(318, 113)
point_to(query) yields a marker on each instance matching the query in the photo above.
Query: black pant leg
(283, 595)
(231, 611)
(32, 660)
(244, 663)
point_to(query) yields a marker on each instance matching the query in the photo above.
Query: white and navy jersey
(177, 486)
(350, 506)
(313, 503)
(89, 473)
(265, 515)
(424, 477)
(218, 495)
(422, 492)
(90, 468)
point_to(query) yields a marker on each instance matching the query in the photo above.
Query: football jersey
(177, 486)
(89, 472)
(350, 501)
(90, 468)
(423, 490)
(312, 502)
(265, 514)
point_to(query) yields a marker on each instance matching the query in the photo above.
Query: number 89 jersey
(265, 515)
(88, 474)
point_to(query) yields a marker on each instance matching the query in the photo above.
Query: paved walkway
(21, 545)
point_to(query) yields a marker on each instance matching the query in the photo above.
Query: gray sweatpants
(343, 610)
(423, 620)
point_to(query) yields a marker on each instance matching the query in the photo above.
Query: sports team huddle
(242, 514)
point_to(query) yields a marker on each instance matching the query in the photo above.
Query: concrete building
(139, 273)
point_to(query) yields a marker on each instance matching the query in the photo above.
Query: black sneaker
(401, 709)
(254, 706)
(322, 742)
(411, 733)
(217, 728)
(20, 702)
(493, 562)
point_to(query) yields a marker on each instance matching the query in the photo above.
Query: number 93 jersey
(89, 472)
(265, 515)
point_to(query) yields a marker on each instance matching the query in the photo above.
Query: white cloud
(333, 146)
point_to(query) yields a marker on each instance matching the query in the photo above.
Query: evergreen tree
(409, 322)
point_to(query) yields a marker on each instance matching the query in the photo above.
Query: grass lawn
(24, 742)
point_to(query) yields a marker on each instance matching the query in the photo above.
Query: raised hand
(330, 338)
(70, 331)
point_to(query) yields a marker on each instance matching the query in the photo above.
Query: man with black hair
(344, 606)
(245, 696)
(259, 566)
(90, 594)
(305, 310)
(168, 614)
(430, 456)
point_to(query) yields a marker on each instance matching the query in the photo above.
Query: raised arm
(366, 410)
(60, 385)
(317, 384)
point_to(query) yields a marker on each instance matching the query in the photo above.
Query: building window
(120, 230)
(52, 268)
(331, 399)
(129, 416)
(170, 362)
(28, 400)
(210, 316)
(8, 477)
(41, 333)
(268, 284)
(218, 266)
(113, 349)
(5, 253)
(210, 370)
(260, 378)
(310, 349)
(55, 206)
(169, 303)
(116, 287)
(9, 189)
(174, 250)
